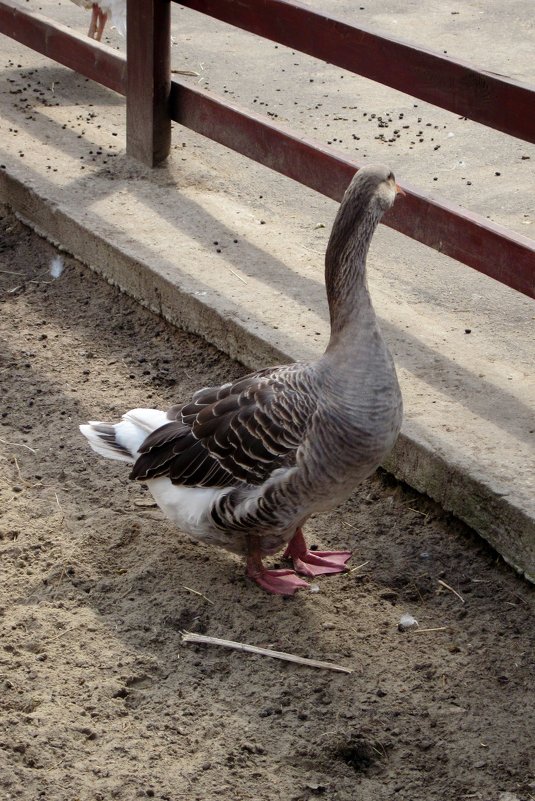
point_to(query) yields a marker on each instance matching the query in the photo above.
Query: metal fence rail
(470, 238)
(153, 100)
(452, 84)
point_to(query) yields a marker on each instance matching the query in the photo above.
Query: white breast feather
(115, 8)
(185, 506)
(117, 11)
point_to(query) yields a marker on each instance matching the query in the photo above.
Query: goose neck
(345, 271)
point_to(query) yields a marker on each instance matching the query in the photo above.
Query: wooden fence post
(148, 52)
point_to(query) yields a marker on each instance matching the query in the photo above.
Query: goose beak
(399, 191)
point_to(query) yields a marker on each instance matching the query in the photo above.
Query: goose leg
(277, 582)
(102, 17)
(314, 563)
(93, 24)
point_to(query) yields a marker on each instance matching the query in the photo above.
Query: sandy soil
(100, 699)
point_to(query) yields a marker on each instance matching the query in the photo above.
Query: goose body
(100, 12)
(243, 465)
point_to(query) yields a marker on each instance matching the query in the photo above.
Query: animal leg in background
(97, 24)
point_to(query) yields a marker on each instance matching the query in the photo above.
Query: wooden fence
(153, 100)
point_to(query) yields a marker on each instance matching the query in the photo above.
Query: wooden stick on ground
(447, 586)
(253, 649)
(17, 445)
(437, 628)
(196, 592)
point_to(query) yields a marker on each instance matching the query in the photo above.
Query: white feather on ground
(56, 267)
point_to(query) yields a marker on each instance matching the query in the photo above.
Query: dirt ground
(100, 699)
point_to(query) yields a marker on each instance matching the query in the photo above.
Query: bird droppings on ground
(99, 698)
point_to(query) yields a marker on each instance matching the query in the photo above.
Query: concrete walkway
(227, 249)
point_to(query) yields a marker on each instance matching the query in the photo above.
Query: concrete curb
(508, 527)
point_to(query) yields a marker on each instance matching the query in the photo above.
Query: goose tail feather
(122, 441)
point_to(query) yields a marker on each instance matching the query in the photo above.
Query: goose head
(371, 192)
(373, 188)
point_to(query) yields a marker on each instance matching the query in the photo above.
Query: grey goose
(243, 465)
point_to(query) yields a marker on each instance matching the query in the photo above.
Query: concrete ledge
(439, 473)
(508, 527)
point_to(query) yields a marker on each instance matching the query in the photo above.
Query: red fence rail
(494, 100)
(153, 100)
(490, 248)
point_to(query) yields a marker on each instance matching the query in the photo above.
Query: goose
(243, 465)
(115, 9)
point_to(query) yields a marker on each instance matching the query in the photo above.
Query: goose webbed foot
(314, 563)
(277, 582)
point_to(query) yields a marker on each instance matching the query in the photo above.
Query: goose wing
(238, 433)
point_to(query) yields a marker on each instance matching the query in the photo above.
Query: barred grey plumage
(243, 465)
